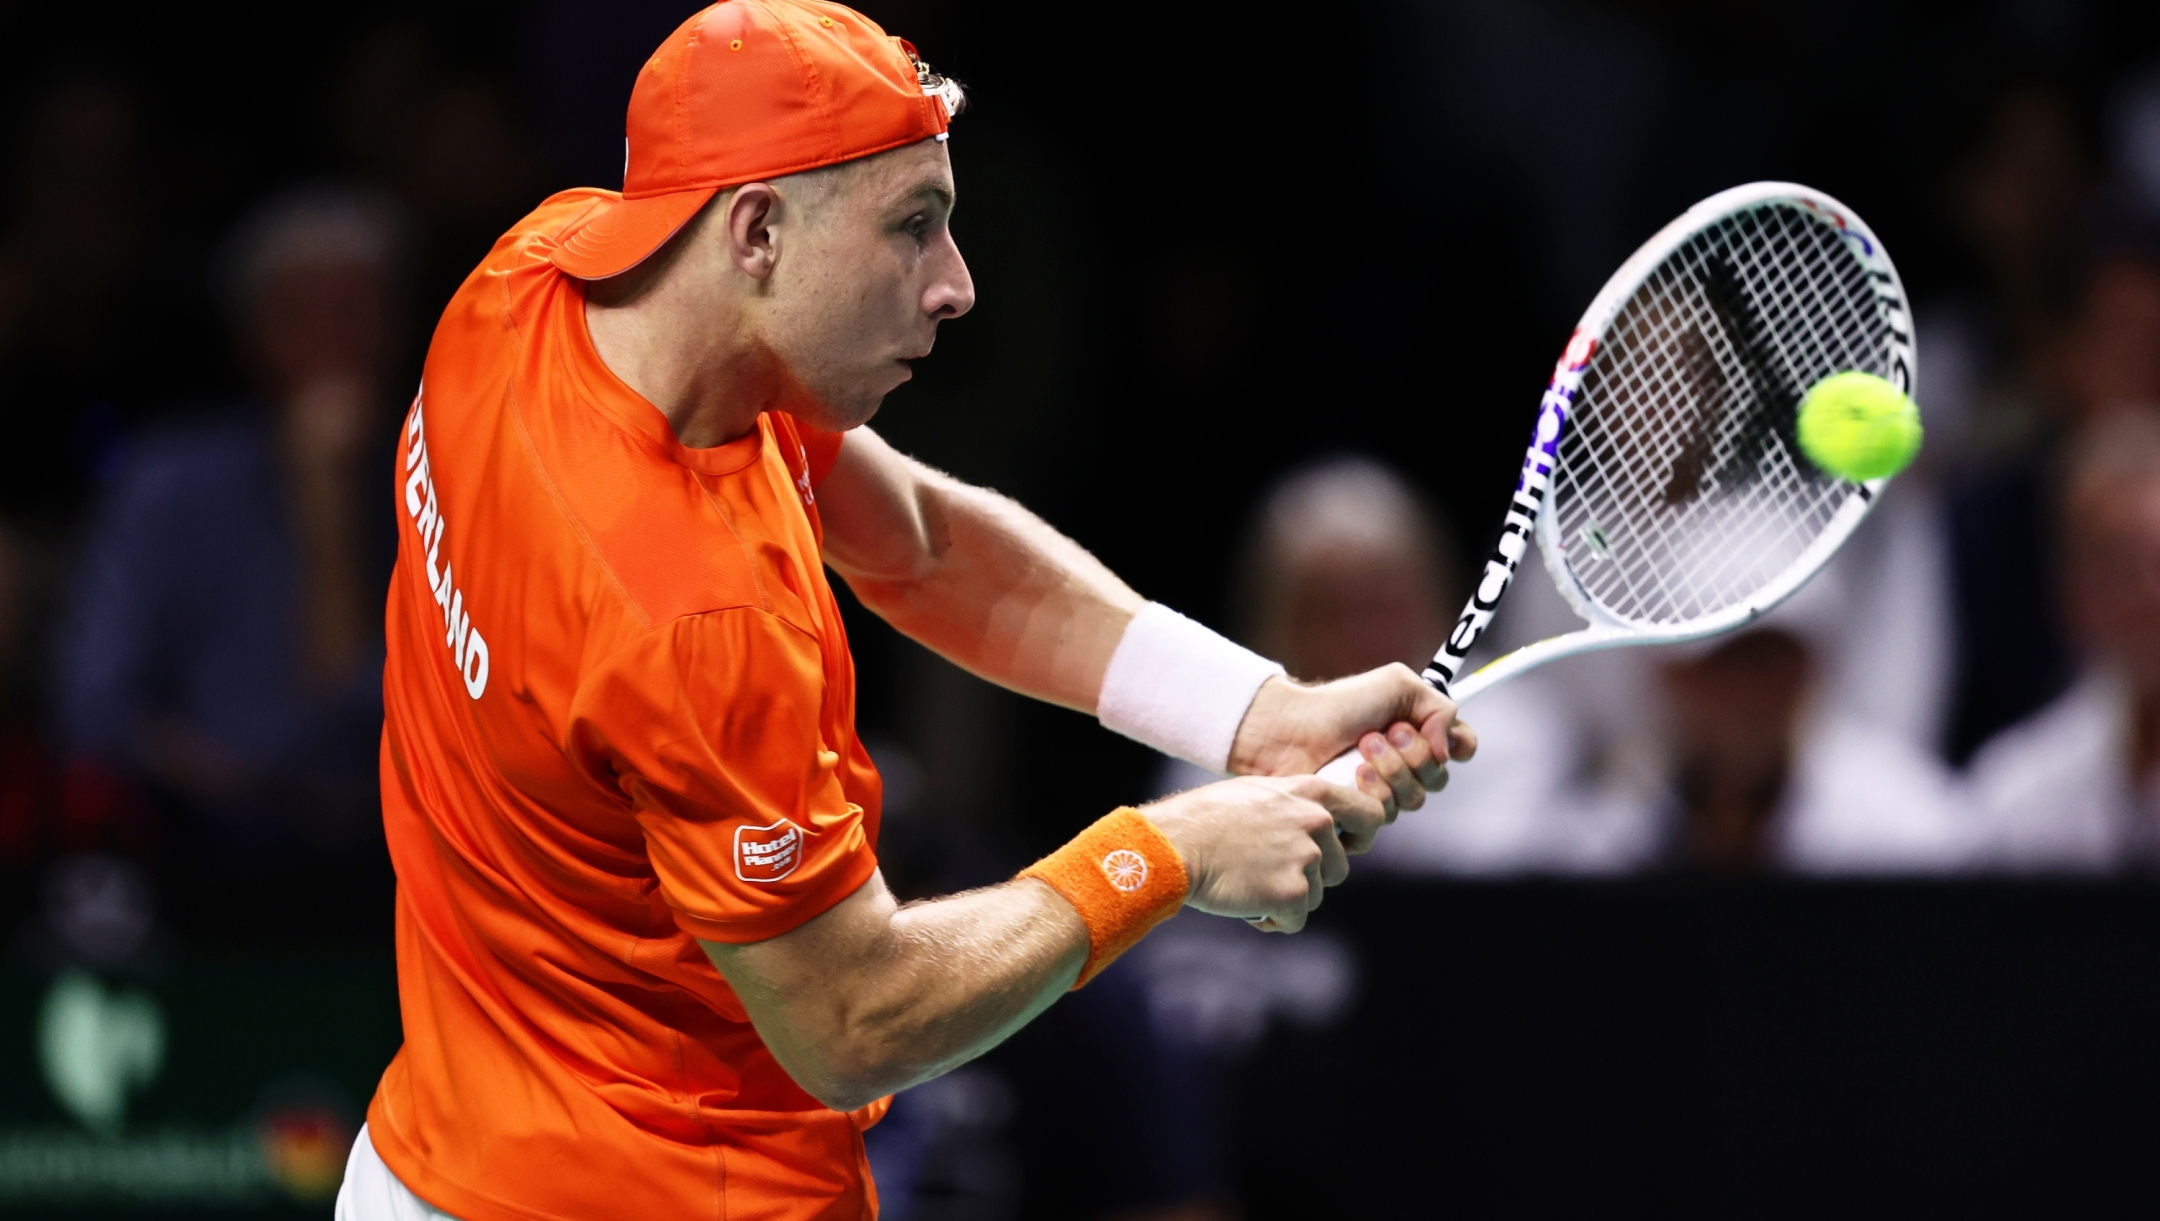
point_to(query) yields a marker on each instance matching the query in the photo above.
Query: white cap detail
(948, 93)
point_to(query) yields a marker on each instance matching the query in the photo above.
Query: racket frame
(1530, 509)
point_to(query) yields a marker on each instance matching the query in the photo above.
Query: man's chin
(837, 416)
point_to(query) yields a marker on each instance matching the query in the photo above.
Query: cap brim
(615, 235)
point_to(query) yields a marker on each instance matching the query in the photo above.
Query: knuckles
(1311, 788)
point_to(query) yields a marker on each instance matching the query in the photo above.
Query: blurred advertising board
(213, 1086)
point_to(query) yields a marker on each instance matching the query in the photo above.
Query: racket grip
(1342, 769)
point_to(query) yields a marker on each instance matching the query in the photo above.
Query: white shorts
(371, 1193)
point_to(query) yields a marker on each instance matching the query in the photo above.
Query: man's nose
(952, 291)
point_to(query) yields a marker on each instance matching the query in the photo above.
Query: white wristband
(1180, 688)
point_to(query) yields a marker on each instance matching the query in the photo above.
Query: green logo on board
(97, 1047)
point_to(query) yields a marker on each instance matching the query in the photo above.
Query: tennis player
(646, 963)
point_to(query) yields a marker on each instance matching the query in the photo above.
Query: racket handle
(1342, 769)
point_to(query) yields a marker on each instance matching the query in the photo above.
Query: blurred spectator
(1346, 569)
(1799, 748)
(1762, 775)
(29, 779)
(2076, 787)
(2111, 357)
(2136, 123)
(447, 144)
(1746, 753)
(1889, 663)
(49, 811)
(224, 637)
(93, 328)
(2018, 201)
(2015, 655)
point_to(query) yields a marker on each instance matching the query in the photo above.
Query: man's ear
(751, 243)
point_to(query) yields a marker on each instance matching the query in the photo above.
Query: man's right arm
(998, 591)
(872, 997)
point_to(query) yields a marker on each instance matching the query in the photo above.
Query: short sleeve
(709, 726)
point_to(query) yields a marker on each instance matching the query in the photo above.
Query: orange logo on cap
(1126, 869)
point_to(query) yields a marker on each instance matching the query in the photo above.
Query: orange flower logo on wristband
(1126, 869)
(1122, 877)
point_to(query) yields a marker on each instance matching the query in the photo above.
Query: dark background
(1716, 1051)
(1210, 244)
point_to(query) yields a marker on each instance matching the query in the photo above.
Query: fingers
(1415, 700)
(1406, 762)
(1327, 860)
(1267, 849)
(1356, 815)
(1422, 735)
(1462, 741)
(1429, 766)
(1327, 868)
(1333, 865)
(1448, 736)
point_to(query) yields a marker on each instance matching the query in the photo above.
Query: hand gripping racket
(1669, 496)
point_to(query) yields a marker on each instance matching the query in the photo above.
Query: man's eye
(917, 225)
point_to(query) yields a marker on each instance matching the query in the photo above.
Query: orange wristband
(1123, 877)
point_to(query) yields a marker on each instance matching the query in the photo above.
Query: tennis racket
(1669, 497)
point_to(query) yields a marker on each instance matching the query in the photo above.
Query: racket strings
(1679, 490)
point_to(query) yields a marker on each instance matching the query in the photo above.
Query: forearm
(871, 997)
(993, 588)
(974, 576)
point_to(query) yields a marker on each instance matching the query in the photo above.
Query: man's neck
(701, 367)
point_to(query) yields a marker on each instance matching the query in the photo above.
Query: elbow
(905, 571)
(846, 1096)
(859, 1059)
(849, 1082)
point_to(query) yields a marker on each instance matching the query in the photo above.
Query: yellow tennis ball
(1858, 426)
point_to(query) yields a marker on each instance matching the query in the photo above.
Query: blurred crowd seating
(196, 528)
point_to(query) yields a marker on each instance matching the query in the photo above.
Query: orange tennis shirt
(619, 716)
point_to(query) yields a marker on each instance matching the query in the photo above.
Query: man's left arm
(994, 589)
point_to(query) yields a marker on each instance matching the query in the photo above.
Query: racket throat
(1512, 542)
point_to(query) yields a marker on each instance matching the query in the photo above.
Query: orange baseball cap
(746, 90)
